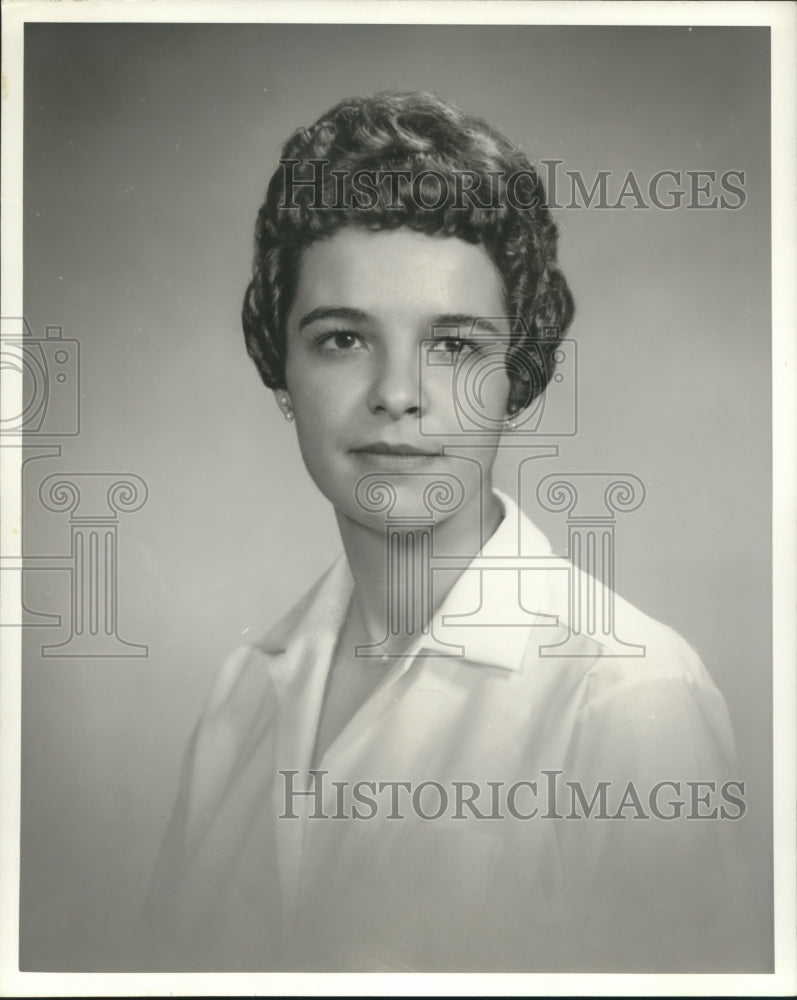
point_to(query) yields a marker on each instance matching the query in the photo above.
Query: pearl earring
(286, 407)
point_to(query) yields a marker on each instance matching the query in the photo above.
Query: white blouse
(534, 801)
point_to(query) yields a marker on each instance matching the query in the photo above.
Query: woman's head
(412, 161)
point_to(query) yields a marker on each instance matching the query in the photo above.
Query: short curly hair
(410, 159)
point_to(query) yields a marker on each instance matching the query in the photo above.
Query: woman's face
(395, 349)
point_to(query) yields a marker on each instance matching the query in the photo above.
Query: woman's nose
(395, 389)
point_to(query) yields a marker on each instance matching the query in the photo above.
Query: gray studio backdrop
(147, 150)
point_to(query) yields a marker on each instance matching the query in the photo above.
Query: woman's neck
(395, 592)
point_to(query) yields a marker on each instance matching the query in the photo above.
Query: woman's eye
(338, 341)
(451, 345)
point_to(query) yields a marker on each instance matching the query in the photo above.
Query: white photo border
(782, 20)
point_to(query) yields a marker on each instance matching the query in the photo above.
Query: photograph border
(782, 20)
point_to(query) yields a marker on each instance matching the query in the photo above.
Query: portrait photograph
(398, 498)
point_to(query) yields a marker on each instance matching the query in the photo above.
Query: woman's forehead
(380, 272)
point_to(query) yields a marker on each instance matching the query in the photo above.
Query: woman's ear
(523, 394)
(284, 403)
(520, 398)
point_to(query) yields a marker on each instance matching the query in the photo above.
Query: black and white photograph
(398, 498)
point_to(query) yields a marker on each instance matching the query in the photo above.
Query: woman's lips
(386, 454)
(388, 448)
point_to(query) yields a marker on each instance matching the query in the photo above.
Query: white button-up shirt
(475, 813)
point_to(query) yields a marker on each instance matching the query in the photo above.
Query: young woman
(428, 764)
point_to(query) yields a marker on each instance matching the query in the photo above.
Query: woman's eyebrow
(345, 313)
(349, 314)
(466, 320)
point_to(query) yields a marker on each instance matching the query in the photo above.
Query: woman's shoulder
(615, 640)
(250, 664)
(322, 606)
(313, 603)
(636, 682)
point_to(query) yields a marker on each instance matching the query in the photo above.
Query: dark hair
(410, 159)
